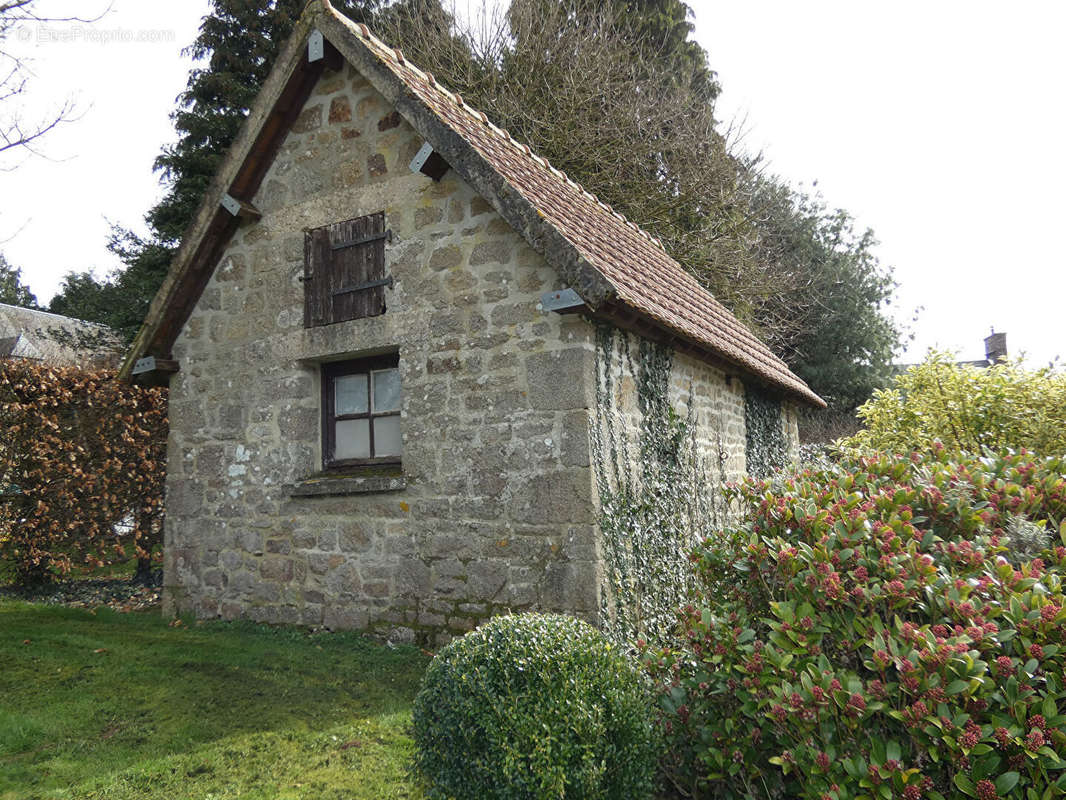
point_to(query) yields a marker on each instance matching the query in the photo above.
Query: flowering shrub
(82, 466)
(878, 629)
(967, 408)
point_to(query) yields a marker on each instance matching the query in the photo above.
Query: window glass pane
(350, 394)
(387, 440)
(352, 439)
(386, 390)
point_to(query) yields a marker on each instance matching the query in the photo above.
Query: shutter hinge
(373, 237)
(359, 287)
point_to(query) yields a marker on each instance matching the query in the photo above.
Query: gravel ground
(118, 594)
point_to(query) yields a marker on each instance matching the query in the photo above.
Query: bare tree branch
(16, 133)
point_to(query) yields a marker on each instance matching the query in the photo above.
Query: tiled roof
(643, 276)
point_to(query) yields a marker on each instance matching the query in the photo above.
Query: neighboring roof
(52, 338)
(618, 269)
(19, 347)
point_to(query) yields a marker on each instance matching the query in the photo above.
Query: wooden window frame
(358, 366)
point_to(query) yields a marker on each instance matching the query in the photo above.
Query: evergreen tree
(13, 291)
(660, 28)
(845, 342)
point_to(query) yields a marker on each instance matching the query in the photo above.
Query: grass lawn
(111, 705)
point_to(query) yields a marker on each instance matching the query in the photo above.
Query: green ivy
(765, 445)
(657, 495)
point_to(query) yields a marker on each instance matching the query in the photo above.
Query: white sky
(123, 72)
(940, 125)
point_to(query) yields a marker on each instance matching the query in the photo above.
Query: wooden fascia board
(239, 175)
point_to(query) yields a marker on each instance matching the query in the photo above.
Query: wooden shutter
(340, 260)
(318, 310)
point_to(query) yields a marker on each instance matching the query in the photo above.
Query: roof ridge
(43, 313)
(396, 55)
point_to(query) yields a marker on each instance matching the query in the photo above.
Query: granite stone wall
(494, 510)
(711, 403)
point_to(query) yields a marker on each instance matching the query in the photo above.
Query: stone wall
(668, 431)
(495, 510)
(711, 403)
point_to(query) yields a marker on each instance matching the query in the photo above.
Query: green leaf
(965, 785)
(955, 687)
(877, 752)
(1006, 782)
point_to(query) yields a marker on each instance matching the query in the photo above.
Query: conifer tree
(13, 291)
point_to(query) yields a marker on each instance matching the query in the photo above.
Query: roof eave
(628, 318)
(212, 221)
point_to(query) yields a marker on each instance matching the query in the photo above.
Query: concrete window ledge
(349, 482)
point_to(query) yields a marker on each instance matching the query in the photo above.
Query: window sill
(366, 480)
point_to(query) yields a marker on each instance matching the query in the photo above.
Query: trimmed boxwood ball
(534, 706)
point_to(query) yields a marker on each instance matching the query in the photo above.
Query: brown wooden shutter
(358, 258)
(318, 309)
(340, 260)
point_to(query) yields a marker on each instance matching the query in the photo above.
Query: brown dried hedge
(82, 469)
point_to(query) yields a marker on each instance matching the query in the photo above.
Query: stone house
(408, 360)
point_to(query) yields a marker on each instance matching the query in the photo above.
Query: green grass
(213, 711)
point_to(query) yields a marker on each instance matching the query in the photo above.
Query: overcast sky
(939, 125)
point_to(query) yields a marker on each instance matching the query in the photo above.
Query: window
(361, 412)
(344, 270)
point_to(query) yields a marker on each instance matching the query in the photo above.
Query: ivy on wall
(765, 445)
(658, 496)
